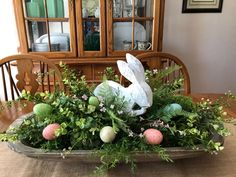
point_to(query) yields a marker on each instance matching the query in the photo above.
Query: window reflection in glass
(59, 36)
(34, 31)
(38, 39)
(91, 26)
(122, 35)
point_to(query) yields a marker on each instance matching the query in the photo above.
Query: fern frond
(106, 93)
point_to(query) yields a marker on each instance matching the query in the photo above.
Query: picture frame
(202, 6)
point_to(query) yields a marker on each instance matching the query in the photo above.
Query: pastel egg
(107, 134)
(173, 108)
(93, 100)
(49, 131)
(153, 136)
(42, 109)
(176, 107)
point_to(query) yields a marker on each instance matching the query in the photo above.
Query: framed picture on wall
(202, 6)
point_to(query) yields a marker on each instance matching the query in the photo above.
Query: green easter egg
(93, 101)
(172, 108)
(42, 109)
(175, 107)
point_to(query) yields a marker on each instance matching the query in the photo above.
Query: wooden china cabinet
(89, 34)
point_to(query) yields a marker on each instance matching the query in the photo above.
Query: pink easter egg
(153, 136)
(49, 131)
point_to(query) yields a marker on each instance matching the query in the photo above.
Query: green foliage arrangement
(80, 116)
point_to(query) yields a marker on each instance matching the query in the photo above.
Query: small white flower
(131, 134)
(101, 104)
(142, 129)
(182, 133)
(155, 71)
(140, 135)
(167, 126)
(112, 106)
(120, 112)
(85, 97)
(141, 118)
(62, 154)
(103, 109)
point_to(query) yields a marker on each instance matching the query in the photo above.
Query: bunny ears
(132, 70)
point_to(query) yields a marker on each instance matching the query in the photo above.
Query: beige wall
(206, 43)
(8, 33)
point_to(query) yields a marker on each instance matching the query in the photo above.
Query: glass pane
(145, 8)
(91, 26)
(34, 8)
(90, 7)
(55, 8)
(34, 31)
(59, 36)
(117, 8)
(38, 39)
(128, 8)
(91, 35)
(66, 8)
(122, 35)
(143, 35)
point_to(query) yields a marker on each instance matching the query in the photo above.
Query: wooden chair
(160, 60)
(30, 72)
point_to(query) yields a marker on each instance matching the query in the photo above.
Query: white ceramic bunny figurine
(139, 92)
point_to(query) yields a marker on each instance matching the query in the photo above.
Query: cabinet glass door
(91, 27)
(49, 27)
(132, 26)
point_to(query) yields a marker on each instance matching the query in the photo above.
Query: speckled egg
(153, 136)
(107, 134)
(49, 131)
(42, 109)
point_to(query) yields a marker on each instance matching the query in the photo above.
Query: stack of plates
(62, 39)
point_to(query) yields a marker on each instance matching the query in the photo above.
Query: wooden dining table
(13, 164)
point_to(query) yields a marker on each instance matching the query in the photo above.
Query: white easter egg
(107, 134)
